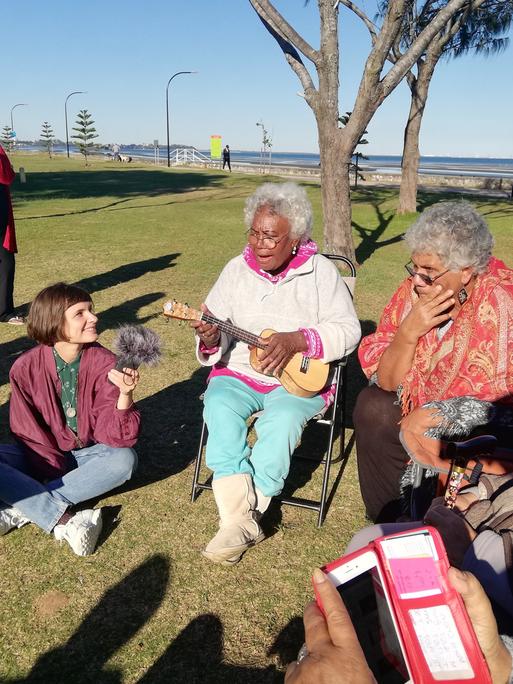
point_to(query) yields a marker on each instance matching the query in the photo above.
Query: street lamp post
(266, 146)
(262, 148)
(75, 92)
(20, 104)
(167, 110)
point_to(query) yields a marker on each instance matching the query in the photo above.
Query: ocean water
(462, 166)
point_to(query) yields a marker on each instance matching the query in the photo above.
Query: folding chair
(333, 419)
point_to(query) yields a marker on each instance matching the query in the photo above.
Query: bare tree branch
(404, 64)
(310, 92)
(373, 29)
(270, 14)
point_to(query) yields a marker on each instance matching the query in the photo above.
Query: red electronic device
(411, 623)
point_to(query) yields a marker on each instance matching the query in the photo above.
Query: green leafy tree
(6, 138)
(85, 133)
(478, 28)
(47, 136)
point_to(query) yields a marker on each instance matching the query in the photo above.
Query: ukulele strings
(231, 329)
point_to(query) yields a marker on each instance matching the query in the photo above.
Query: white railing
(187, 156)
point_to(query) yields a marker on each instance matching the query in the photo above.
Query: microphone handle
(123, 362)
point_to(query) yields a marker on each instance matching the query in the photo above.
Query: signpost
(216, 145)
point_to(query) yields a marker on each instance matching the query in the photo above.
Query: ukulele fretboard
(231, 329)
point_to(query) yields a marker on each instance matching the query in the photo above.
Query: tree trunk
(411, 154)
(335, 191)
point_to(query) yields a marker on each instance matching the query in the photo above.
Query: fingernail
(318, 576)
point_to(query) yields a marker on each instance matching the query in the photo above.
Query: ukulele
(301, 376)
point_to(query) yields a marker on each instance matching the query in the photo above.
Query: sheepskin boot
(238, 527)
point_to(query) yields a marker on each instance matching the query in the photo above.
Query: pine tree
(6, 138)
(47, 136)
(85, 132)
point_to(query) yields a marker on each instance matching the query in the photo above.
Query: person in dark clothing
(7, 243)
(226, 157)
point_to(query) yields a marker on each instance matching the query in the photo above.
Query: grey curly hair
(455, 232)
(285, 199)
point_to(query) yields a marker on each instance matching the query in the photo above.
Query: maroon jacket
(7, 176)
(37, 419)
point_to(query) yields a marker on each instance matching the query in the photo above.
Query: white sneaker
(81, 531)
(10, 518)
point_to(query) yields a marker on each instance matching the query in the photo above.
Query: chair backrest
(349, 280)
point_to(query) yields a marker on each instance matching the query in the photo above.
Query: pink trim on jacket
(312, 337)
(305, 251)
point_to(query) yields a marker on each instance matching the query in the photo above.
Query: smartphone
(361, 586)
(411, 623)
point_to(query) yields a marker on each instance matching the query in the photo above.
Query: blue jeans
(93, 471)
(228, 404)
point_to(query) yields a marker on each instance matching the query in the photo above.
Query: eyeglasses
(267, 241)
(427, 279)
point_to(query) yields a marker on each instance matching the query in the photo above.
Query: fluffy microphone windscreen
(136, 345)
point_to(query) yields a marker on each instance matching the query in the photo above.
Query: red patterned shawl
(474, 357)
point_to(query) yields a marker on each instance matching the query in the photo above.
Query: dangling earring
(462, 296)
(294, 250)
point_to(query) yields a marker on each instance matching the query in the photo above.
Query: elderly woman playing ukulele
(278, 282)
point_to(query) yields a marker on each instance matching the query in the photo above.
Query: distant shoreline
(491, 167)
(466, 182)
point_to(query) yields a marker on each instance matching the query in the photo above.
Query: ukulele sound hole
(304, 365)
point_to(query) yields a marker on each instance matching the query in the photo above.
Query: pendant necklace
(71, 411)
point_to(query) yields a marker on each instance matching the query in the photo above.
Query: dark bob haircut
(45, 322)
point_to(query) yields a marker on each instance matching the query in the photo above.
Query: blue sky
(123, 53)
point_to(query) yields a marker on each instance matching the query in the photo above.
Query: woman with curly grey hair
(279, 282)
(444, 334)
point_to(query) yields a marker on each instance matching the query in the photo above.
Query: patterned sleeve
(372, 346)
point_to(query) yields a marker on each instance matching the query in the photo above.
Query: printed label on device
(411, 560)
(440, 643)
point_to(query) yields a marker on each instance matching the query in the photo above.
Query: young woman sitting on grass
(74, 421)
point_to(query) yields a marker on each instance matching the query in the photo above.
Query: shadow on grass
(126, 272)
(375, 197)
(194, 656)
(124, 184)
(369, 237)
(117, 276)
(171, 424)
(120, 613)
(128, 312)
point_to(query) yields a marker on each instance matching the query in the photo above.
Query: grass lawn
(147, 607)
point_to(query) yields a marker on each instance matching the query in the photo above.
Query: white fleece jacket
(311, 296)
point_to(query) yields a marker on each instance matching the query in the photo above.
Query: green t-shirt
(68, 374)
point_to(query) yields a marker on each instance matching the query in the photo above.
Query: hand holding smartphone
(410, 622)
